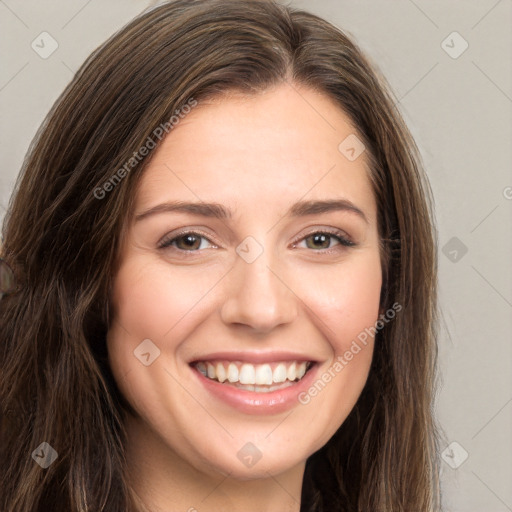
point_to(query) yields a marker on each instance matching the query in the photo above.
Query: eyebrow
(218, 211)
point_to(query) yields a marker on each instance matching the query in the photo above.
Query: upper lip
(254, 357)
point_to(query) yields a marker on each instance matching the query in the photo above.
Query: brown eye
(321, 240)
(189, 241)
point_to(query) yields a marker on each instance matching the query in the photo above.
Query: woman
(256, 369)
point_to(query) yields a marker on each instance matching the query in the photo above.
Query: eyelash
(167, 242)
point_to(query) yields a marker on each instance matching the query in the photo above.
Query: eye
(192, 241)
(189, 241)
(321, 240)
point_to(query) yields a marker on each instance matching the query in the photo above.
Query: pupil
(320, 238)
(189, 240)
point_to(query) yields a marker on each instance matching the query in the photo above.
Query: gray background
(458, 109)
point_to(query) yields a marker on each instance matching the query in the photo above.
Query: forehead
(260, 150)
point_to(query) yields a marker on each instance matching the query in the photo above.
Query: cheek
(346, 308)
(151, 300)
(149, 303)
(346, 298)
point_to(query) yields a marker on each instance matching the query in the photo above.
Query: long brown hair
(62, 239)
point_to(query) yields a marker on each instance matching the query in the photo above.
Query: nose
(259, 296)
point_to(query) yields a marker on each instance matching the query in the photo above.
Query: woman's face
(235, 267)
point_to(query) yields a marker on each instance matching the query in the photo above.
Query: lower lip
(252, 402)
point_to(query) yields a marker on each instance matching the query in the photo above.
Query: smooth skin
(256, 156)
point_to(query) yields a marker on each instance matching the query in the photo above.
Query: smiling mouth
(262, 378)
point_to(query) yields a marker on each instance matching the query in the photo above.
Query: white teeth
(301, 370)
(232, 373)
(263, 375)
(279, 373)
(291, 374)
(247, 374)
(221, 372)
(258, 375)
